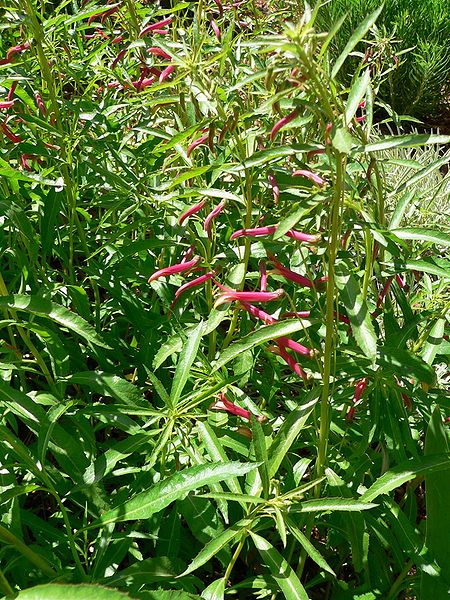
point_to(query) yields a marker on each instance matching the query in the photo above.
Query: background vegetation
(225, 310)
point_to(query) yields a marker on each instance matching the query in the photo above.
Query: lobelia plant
(218, 368)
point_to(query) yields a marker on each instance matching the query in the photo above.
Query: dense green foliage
(409, 53)
(225, 315)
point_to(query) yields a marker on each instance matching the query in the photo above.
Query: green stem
(324, 427)
(235, 557)
(9, 538)
(393, 592)
(27, 341)
(5, 588)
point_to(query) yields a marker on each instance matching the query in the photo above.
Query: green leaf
(356, 37)
(327, 504)
(216, 544)
(259, 445)
(437, 493)
(342, 140)
(60, 591)
(437, 164)
(310, 549)
(280, 569)
(263, 334)
(356, 94)
(403, 141)
(270, 155)
(215, 590)
(404, 472)
(433, 342)
(424, 266)
(422, 235)
(187, 357)
(63, 316)
(357, 311)
(400, 208)
(405, 364)
(165, 595)
(145, 504)
(109, 385)
(289, 432)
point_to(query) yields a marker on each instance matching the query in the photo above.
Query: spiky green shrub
(411, 42)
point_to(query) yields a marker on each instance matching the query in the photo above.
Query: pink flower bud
(384, 292)
(271, 229)
(16, 139)
(155, 26)
(263, 276)
(119, 57)
(275, 188)
(281, 123)
(259, 314)
(400, 280)
(224, 404)
(40, 104)
(216, 29)
(359, 389)
(220, 7)
(296, 347)
(12, 89)
(17, 50)
(7, 104)
(191, 211)
(189, 252)
(194, 283)
(24, 161)
(159, 52)
(166, 72)
(117, 39)
(316, 179)
(234, 295)
(301, 314)
(143, 83)
(290, 361)
(299, 236)
(197, 142)
(212, 215)
(178, 268)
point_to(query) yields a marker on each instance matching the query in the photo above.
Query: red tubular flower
(303, 237)
(224, 404)
(166, 72)
(143, 83)
(384, 292)
(263, 276)
(16, 139)
(191, 211)
(201, 140)
(194, 283)
(103, 15)
(24, 161)
(327, 133)
(290, 361)
(400, 280)
(159, 52)
(281, 123)
(291, 275)
(359, 389)
(258, 313)
(296, 347)
(178, 268)
(234, 295)
(212, 215)
(7, 104)
(271, 229)
(155, 26)
(275, 188)
(12, 89)
(316, 179)
(300, 314)
(189, 252)
(17, 50)
(119, 57)
(216, 29)
(117, 39)
(40, 104)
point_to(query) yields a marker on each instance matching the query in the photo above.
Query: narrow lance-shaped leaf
(357, 36)
(437, 493)
(433, 342)
(63, 316)
(147, 503)
(356, 94)
(404, 472)
(187, 357)
(263, 334)
(280, 569)
(357, 310)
